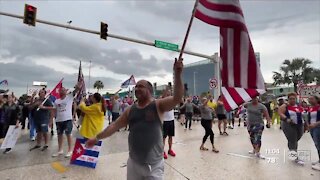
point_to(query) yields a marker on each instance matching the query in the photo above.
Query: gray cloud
(23, 44)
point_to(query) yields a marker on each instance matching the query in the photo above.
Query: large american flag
(82, 90)
(241, 74)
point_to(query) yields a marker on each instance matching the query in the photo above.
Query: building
(196, 76)
(257, 58)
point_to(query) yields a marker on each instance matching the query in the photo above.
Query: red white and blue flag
(83, 156)
(130, 81)
(82, 90)
(241, 74)
(5, 82)
(56, 90)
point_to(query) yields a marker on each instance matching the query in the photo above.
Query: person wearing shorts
(63, 111)
(168, 127)
(221, 114)
(42, 118)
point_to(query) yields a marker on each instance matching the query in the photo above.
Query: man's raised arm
(168, 103)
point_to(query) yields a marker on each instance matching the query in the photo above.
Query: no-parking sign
(213, 83)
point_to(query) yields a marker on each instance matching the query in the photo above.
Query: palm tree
(291, 72)
(98, 85)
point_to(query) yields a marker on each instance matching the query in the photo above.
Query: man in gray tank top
(145, 121)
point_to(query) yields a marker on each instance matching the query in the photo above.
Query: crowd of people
(151, 121)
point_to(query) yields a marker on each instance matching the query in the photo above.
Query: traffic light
(103, 31)
(30, 14)
(155, 86)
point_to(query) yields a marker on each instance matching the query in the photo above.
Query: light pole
(194, 83)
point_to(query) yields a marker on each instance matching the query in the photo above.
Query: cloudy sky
(279, 29)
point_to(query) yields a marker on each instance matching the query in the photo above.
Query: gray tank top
(220, 109)
(145, 136)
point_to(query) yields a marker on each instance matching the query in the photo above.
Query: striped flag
(130, 81)
(241, 74)
(5, 82)
(82, 90)
(85, 157)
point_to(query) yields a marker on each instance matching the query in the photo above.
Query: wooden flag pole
(188, 30)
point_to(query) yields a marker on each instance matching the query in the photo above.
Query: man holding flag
(41, 113)
(145, 120)
(63, 111)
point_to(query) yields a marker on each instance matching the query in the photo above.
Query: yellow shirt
(212, 104)
(93, 120)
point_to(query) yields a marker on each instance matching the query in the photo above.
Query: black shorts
(115, 116)
(41, 127)
(221, 116)
(168, 128)
(64, 126)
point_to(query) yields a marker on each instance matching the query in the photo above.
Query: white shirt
(64, 108)
(168, 116)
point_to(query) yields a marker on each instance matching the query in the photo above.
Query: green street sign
(166, 45)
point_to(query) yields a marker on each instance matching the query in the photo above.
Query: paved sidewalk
(233, 161)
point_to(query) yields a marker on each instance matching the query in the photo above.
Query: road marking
(59, 167)
(239, 155)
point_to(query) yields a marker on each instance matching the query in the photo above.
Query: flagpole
(188, 30)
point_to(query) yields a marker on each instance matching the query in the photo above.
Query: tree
(291, 72)
(98, 85)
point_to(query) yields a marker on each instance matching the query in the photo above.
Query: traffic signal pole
(109, 35)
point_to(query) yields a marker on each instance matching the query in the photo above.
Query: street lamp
(194, 83)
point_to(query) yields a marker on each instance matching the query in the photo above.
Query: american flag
(82, 90)
(241, 74)
(4, 82)
(130, 81)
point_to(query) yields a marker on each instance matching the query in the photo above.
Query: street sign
(213, 83)
(166, 45)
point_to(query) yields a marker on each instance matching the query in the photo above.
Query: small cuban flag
(83, 156)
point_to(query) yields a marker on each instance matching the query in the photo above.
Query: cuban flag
(83, 156)
(130, 81)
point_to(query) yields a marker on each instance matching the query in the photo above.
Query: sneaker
(299, 162)
(7, 151)
(258, 155)
(292, 155)
(251, 152)
(33, 138)
(171, 153)
(45, 147)
(35, 147)
(314, 163)
(165, 156)
(68, 154)
(316, 166)
(57, 154)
